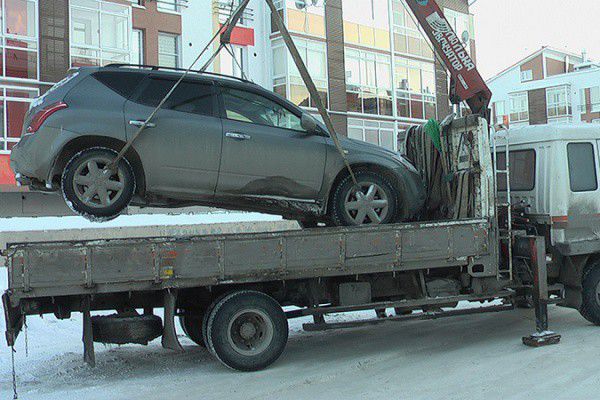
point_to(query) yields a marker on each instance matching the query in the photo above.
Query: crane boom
(466, 84)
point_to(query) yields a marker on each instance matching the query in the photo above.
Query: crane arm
(466, 84)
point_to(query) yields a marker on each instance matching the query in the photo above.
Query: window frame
(177, 52)
(4, 37)
(595, 162)
(4, 99)
(555, 106)
(512, 111)
(101, 49)
(291, 108)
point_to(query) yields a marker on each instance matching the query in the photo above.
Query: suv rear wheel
(94, 191)
(375, 202)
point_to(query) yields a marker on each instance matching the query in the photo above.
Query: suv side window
(254, 108)
(582, 167)
(189, 97)
(124, 83)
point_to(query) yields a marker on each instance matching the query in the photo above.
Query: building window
(558, 102)
(19, 39)
(594, 103)
(368, 82)
(461, 23)
(137, 46)
(526, 75)
(366, 23)
(167, 5)
(375, 132)
(519, 107)
(408, 38)
(307, 17)
(415, 88)
(100, 33)
(286, 77)
(14, 103)
(229, 65)
(168, 50)
(500, 112)
(582, 167)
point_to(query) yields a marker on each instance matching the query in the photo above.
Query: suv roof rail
(158, 68)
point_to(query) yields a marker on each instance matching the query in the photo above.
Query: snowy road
(474, 357)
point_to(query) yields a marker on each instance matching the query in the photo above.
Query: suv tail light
(39, 118)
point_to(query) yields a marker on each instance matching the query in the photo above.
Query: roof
(553, 132)
(532, 56)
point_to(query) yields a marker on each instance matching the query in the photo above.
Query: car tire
(247, 330)
(92, 193)
(590, 305)
(347, 209)
(191, 323)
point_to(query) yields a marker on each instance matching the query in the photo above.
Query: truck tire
(590, 305)
(247, 330)
(191, 323)
(90, 191)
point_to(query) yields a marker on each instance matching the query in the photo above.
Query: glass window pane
(582, 167)
(21, 64)
(15, 114)
(85, 27)
(137, 46)
(299, 95)
(372, 136)
(355, 133)
(20, 17)
(246, 106)
(387, 139)
(114, 32)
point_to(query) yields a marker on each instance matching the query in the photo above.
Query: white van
(555, 173)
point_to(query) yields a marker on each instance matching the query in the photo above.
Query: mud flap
(13, 317)
(89, 356)
(169, 337)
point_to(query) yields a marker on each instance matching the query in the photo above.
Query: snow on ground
(470, 357)
(76, 222)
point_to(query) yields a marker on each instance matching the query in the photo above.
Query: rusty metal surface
(102, 266)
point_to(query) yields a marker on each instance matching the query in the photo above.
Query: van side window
(582, 167)
(522, 170)
(189, 97)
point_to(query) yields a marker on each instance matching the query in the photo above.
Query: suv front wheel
(92, 189)
(374, 201)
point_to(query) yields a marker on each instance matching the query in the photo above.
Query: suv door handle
(238, 136)
(139, 122)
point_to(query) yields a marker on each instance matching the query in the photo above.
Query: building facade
(371, 63)
(549, 86)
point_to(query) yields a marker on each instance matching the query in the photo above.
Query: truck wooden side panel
(70, 268)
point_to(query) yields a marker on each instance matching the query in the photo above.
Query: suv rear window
(124, 83)
(582, 167)
(522, 170)
(189, 97)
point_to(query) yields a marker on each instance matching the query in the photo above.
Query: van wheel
(191, 323)
(375, 202)
(590, 306)
(247, 330)
(92, 190)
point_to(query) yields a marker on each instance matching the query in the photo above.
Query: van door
(181, 150)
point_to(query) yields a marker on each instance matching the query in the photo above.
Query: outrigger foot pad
(540, 339)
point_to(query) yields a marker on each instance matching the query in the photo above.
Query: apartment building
(548, 86)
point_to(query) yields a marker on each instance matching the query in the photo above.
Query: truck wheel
(191, 323)
(91, 190)
(590, 306)
(247, 330)
(375, 203)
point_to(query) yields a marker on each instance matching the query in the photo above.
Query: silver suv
(217, 141)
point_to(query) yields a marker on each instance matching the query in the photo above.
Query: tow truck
(234, 293)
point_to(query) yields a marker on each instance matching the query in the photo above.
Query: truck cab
(554, 178)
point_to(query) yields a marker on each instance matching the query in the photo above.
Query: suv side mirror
(309, 124)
